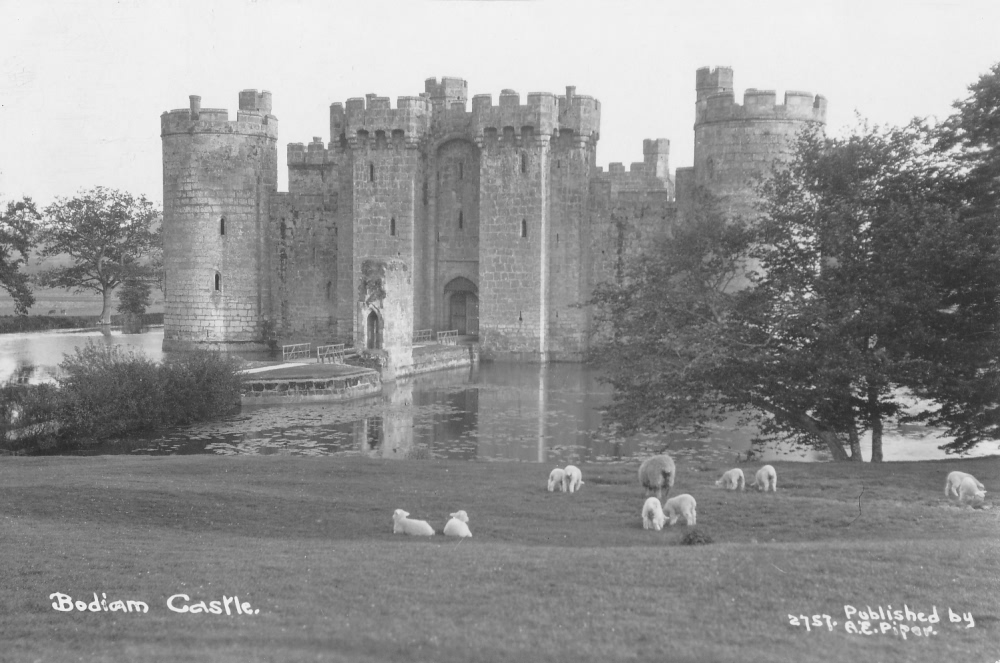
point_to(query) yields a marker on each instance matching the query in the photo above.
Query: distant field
(64, 302)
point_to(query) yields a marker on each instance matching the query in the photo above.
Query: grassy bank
(546, 576)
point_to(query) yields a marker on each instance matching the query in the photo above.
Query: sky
(83, 83)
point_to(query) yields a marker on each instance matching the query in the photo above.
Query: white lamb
(682, 505)
(955, 479)
(732, 480)
(658, 473)
(403, 525)
(652, 515)
(556, 479)
(970, 490)
(458, 526)
(572, 479)
(766, 478)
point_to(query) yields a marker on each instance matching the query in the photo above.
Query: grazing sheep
(682, 505)
(658, 473)
(732, 479)
(652, 515)
(403, 525)
(970, 490)
(572, 479)
(457, 525)
(556, 477)
(955, 479)
(766, 478)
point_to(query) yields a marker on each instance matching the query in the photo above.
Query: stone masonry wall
(513, 267)
(218, 176)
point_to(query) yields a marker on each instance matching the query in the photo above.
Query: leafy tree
(972, 136)
(133, 298)
(864, 277)
(109, 235)
(17, 223)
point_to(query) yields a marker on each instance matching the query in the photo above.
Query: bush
(696, 537)
(199, 386)
(108, 391)
(28, 416)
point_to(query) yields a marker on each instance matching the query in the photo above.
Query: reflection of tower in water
(391, 435)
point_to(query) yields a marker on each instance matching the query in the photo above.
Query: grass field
(546, 577)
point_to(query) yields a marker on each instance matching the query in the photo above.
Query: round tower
(218, 177)
(735, 144)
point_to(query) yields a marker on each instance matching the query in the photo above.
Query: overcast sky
(83, 83)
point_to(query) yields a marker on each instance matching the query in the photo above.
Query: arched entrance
(373, 335)
(463, 306)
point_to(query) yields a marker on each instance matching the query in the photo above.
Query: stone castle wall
(500, 206)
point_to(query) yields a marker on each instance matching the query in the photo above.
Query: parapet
(315, 154)
(253, 118)
(721, 106)
(651, 174)
(545, 114)
(362, 117)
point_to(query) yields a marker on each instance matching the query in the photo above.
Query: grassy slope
(558, 577)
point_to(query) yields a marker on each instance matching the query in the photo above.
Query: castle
(494, 221)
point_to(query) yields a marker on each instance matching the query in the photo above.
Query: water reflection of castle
(518, 414)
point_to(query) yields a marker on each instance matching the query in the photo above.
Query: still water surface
(548, 414)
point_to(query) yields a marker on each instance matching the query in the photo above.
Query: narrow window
(371, 172)
(524, 227)
(218, 282)
(392, 226)
(524, 162)
(460, 219)
(222, 226)
(328, 286)
(425, 192)
(282, 230)
(461, 170)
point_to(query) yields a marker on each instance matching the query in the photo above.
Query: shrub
(198, 386)
(108, 390)
(28, 415)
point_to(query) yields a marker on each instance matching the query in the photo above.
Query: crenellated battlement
(716, 101)
(314, 154)
(253, 117)
(650, 174)
(360, 119)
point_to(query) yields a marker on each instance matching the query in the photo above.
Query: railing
(296, 351)
(449, 337)
(423, 336)
(332, 354)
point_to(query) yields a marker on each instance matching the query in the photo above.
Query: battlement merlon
(372, 114)
(449, 91)
(315, 154)
(251, 120)
(761, 105)
(545, 114)
(709, 81)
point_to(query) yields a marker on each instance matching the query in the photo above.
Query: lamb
(652, 515)
(970, 490)
(458, 526)
(658, 473)
(766, 478)
(403, 525)
(572, 479)
(951, 485)
(732, 479)
(556, 479)
(682, 505)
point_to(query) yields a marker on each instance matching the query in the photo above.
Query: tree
(864, 278)
(17, 224)
(109, 235)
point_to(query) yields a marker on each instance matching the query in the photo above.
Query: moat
(493, 412)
